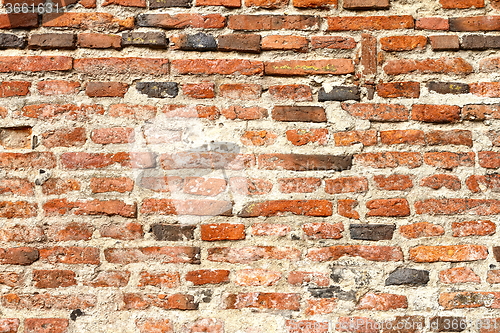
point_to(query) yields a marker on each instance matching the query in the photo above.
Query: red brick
(244, 255)
(16, 186)
(301, 278)
(346, 23)
(273, 22)
(162, 184)
(345, 207)
(372, 253)
(277, 301)
(34, 160)
(186, 207)
(368, 58)
(489, 159)
(299, 185)
(300, 137)
(428, 66)
(458, 206)
(460, 4)
(377, 112)
(18, 256)
(3, 112)
(22, 234)
(388, 207)
(53, 278)
(391, 159)
(296, 162)
(106, 89)
(493, 276)
(211, 325)
(168, 302)
(225, 3)
(256, 277)
(206, 160)
(250, 186)
(199, 90)
(115, 184)
(295, 92)
(357, 325)
(84, 21)
(270, 229)
(218, 66)
(116, 135)
(366, 138)
(432, 23)
(473, 228)
(382, 302)
(46, 301)
(485, 89)
(445, 43)
(240, 91)
(184, 20)
(403, 43)
(35, 63)
(309, 67)
(469, 299)
(447, 160)
(70, 255)
(320, 306)
(99, 41)
(61, 232)
(451, 137)
(458, 275)
(67, 111)
(126, 3)
(314, 3)
(151, 325)
(313, 114)
(95, 160)
(421, 229)
(280, 207)
(60, 186)
(399, 89)
(46, 325)
(366, 4)
(14, 88)
(191, 111)
(208, 276)
(323, 230)
(393, 182)
(489, 64)
(436, 113)
(56, 207)
(163, 279)
(306, 326)
(285, 42)
(16, 137)
(449, 253)
(123, 231)
(17, 209)
(346, 185)
(9, 325)
(258, 138)
(332, 42)
(268, 4)
(239, 42)
(244, 113)
(129, 66)
(139, 112)
(438, 181)
(479, 184)
(494, 136)
(222, 231)
(64, 137)
(204, 186)
(396, 137)
(22, 20)
(163, 254)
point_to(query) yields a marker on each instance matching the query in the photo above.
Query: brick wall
(250, 166)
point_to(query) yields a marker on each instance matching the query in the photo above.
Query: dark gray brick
(158, 89)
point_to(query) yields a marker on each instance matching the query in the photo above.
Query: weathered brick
(444, 42)
(458, 275)
(200, 90)
(123, 231)
(70, 255)
(58, 87)
(54, 278)
(393, 182)
(21, 20)
(432, 23)
(346, 23)
(69, 231)
(14, 88)
(436, 113)
(169, 302)
(480, 42)
(407, 276)
(389, 159)
(33, 160)
(46, 301)
(222, 231)
(438, 181)
(8, 41)
(60, 186)
(388, 207)
(46, 325)
(239, 42)
(298, 162)
(489, 159)
(57, 207)
(195, 42)
(295, 92)
(99, 41)
(309, 67)
(35, 63)
(447, 160)
(279, 207)
(300, 137)
(180, 21)
(151, 325)
(83, 160)
(382, 302)
(368, 252)
(302, 278)
(115, 135)
(205, 325)
(285, 42)
(163, 279)
(240, 91)
(84, 21)
(258, 138)
(164, 254)
(52, 41)
(450, 253)
(270, 229)
(154, 4)
(403, 43)
(207, 160)
(345, 207)
(475, 23)
(460, 4)
(479, 184)
(481, 112)
(323, 230)
(9, 325)
(256, 277)
(346, 185)
(339, 93)
(485, 89)
(249, 254)
(396, 137)
(225, 3)
(218, 66)
(278, 301)
(313, 114)
(399, 89)
(299, 326)
(469, 299)
(128, 65)
(458, 206)
(314, 3)
(148, 39)
(250, 186)
(273, 22)
(208, 276)
(106, 89)
(126, 3)
(268, 4)
(473, 228)
(332, 42)
(428, 66)
(377, 112)
(299, 185)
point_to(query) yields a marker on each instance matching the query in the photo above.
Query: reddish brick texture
(249, 166)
